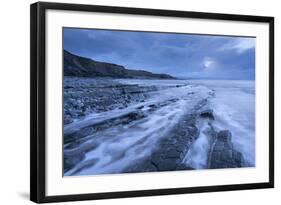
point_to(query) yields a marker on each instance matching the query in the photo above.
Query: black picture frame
(38, 100)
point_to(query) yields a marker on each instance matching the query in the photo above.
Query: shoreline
(139, 94)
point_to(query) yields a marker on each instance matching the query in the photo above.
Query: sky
(180, 55)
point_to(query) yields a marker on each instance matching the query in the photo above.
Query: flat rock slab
(223, 155)
(171, 150)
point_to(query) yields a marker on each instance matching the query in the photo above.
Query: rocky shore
(83, 96)
(117, 108)
(173, 149)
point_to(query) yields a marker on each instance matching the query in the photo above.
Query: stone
(168, 164)
(223, 155)
(225, 137)
(207, 114)
(172, 154)
(67, 119)
(70, 162)
(171, 150)
(183, 166)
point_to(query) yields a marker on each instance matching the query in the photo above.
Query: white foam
(122, 145)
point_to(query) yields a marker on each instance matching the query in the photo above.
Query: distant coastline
(78, 66)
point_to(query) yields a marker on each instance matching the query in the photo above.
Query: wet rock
(83, 96)
(67, 119)
(146, 166)
(207, 114)
(70, 162)
(169, 154)
(135, 115)
(77, 136)
(173, 153)
(183, 166)
(140, 107)
(168, 164)
(223, 155)
(83, 165)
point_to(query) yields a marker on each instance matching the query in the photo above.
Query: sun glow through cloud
(208, 63)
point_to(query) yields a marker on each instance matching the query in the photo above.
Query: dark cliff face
(84, 67)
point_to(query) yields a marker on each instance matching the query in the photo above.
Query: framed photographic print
(129, 102)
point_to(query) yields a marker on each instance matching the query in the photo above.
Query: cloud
(240, 45)
(182, 55)
(208, 63)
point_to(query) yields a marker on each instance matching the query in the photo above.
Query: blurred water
(120, 146)
(234, 110)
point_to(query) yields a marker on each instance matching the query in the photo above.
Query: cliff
(78, 66)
